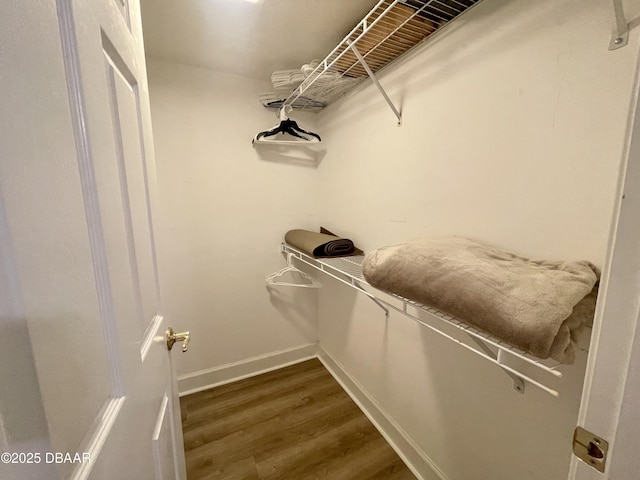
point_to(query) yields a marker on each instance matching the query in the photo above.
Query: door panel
(52, 248)
(123, 6)
(162, 447)
(124, 103)
(76, 187)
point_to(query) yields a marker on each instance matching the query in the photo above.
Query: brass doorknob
(173, 337)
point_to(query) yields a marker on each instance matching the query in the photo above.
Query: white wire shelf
(388, 31)
(520, 366)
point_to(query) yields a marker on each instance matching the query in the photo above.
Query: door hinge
(590, 448)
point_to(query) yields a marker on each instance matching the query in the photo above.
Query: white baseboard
(413, 456)
(231, 372)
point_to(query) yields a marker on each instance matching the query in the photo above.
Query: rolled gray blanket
(319, 244)
(536, 306)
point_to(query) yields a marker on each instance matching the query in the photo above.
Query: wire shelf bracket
(388, 31)
(620, 36)
(363, 62)
(518, 382)
(512, 361)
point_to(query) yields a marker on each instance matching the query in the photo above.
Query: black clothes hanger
(287, 126)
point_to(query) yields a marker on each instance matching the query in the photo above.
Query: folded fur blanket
(536, 306)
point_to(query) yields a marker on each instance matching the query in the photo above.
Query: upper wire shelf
(520, 366)
(389, 30)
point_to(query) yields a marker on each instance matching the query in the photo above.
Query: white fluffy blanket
(536, 306)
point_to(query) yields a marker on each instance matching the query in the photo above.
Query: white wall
(513, 133)
(223, 213)
(514, 124)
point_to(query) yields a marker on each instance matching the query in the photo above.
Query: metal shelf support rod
(518, 382)
(375, 81)
(621, 34)
(324, 66)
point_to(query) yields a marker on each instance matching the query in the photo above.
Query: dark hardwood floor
(295, 423)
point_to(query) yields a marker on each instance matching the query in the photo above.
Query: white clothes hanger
(273, 278)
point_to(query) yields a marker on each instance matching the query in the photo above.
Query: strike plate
(590, 448)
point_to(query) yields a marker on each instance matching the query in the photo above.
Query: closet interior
(389, 30)
(495, 105)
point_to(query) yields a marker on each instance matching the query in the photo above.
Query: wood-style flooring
(295, 423)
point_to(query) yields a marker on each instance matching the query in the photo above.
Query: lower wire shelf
(520, 366)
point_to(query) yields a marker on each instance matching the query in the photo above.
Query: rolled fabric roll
(319, 244)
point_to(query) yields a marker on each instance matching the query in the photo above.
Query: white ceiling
(248, 37)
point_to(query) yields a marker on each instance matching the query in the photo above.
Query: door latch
(173, 337)
(590, 448)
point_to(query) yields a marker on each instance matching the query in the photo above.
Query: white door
(610, 405)
(88, 389)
